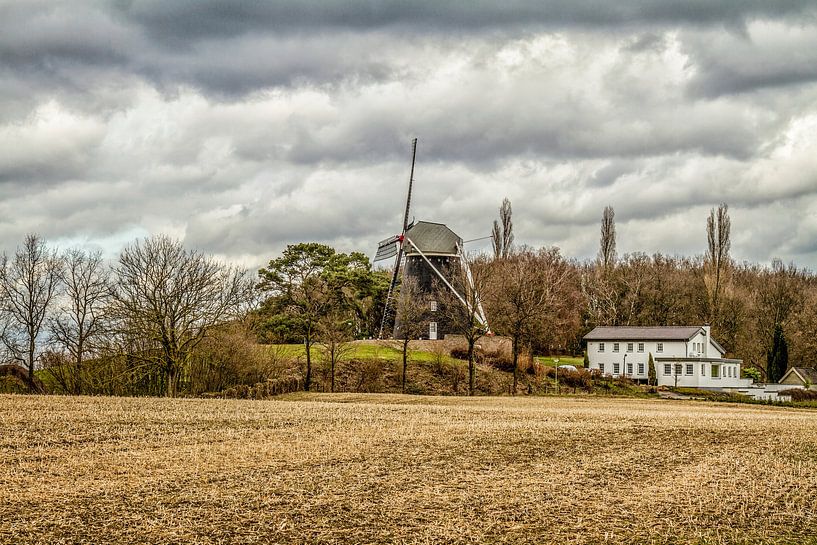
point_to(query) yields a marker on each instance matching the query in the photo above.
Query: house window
(689, 369)
(660, 347)
(432, 331)
(667, 369)
(640, 368)
(615, 347)
(601, 368)
(629, 368)
(703, 369)
(616, 368)
(677, 368)
(640, 347)
(433, 306)
(629, 347)
(601, 347)
(715, 371)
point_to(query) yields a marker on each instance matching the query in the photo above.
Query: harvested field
(397, 469)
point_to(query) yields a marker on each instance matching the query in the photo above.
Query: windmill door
(432, 331)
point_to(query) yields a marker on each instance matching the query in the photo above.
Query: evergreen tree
(777, 359)
(586, 360)
(652, 377)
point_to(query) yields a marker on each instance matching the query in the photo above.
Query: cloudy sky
(241, 127)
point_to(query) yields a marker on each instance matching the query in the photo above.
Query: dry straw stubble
(398, 469)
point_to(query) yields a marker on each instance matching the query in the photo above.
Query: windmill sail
(386, 247)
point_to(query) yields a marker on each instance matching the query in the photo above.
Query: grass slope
(356, 468)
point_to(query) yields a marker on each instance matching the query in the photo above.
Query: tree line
(166, 320)
(134, 327)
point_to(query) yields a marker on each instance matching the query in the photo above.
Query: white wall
(697, 346)
(609, 357)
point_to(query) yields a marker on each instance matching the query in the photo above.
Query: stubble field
(398, 469)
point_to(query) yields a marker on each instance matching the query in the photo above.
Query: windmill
(423, 251)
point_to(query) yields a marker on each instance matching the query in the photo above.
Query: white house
(685, 356)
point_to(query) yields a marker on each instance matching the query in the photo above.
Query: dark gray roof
(648, 333)
(805, 373)
(644, 333)
(433, 238)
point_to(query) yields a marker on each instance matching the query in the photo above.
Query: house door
(432, 331)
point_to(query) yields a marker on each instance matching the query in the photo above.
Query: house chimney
(707, 330)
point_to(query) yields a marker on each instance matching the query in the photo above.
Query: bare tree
(528, 287)
(465, 317)
(335, 330)
(28, 284)
(79, 320)
(170, 298)
(607, 241)
(412, 318)
(502, 233)
(718, 227)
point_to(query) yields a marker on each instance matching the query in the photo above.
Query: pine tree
(586, 360)
(652, 379)
(777, 359)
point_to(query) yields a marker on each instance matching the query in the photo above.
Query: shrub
(581, 378)
(459, 353)
(798, 394)
(499, 360)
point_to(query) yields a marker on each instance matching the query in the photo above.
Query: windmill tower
(425, 251)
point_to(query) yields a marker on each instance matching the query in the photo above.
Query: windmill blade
(390, 294)
(387, 248)
(411, 182)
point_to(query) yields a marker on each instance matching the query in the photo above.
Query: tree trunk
(471, 368)
(171, 375)
(332, 389)
(405, 363)
(31, 364)
(308, 344)
(515, 345)
(78, 369)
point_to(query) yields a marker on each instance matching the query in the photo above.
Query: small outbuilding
(800, 376)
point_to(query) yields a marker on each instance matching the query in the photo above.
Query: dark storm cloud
(242, 126)
(197, 19)
(233, 48)
(768, 55)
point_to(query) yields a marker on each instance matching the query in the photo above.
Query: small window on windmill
(433, 306)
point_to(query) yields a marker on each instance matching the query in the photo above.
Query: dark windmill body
(433, 248)
(428, 253)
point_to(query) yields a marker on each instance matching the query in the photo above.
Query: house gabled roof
(432, 238)
(648, 333)
(718, 346)
(805, 374)
(643, 333)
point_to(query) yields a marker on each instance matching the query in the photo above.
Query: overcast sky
(240, 127)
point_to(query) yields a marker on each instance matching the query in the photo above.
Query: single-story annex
(685, 356)
(800, 376)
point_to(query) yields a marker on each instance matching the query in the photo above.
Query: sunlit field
(404, 469)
